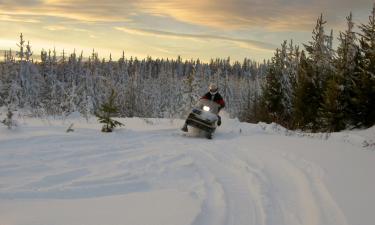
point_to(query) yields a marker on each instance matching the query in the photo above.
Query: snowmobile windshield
(213, 106)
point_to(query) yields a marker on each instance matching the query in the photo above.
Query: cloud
(162, 50)
(236, 27)
(218, 14)
(21, 2)
(21, 19)
(55, 28)
(244, 42)
(81, 10)
(58, 27)
(269, 14)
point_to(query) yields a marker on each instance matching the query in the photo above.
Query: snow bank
(360, 138)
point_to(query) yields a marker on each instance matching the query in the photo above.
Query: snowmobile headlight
(206, 108)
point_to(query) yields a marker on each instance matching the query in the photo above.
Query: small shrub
(8, 121)
(106, 111)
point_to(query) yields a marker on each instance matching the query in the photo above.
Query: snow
(148, 172)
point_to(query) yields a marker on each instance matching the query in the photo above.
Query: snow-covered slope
(150, 173)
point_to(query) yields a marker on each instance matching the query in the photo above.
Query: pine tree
(366, 80)
(8, 74)
(2, 92)
(336, 107)
(21, 45)
(272, 90)
(321, 58)
(106, 111)
(321, 53)
(289, 65)
(29, 78)
(189, 93)
(333, 108)
(320, 50)
(145, 88)
(306, 100)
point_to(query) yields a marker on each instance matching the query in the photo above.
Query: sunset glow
(192, 29)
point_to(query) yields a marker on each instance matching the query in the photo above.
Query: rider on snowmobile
(212, 95)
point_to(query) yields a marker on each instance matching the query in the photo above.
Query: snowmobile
(204, 117)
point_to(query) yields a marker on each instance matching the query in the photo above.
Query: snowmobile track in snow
(234, 179)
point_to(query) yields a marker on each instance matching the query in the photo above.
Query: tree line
(319, 88)
(62, 84)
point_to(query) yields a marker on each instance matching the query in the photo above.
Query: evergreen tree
(30, 79)
(306, 100)
(336, 107)
(50, 85)
(8, 76)
(321, 54)
(321, 58)
(366, 81)
(153, 88)
(189, 92)
(272, 90)
(333, 108)
(289, 65)
(106, 111)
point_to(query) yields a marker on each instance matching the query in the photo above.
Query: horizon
(206, 30)
(37, 57)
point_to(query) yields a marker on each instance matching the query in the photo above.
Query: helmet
(213, 88)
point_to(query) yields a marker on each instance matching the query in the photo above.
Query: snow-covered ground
(149, 173)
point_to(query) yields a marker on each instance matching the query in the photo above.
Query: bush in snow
(70, 128)
(106, 111)
(8, 121)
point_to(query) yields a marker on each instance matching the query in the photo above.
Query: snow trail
(243, 176)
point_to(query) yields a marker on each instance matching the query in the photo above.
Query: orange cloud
(217, 27)
(252, 44)
(21, 19)
(55, 27)
(81, 10)
(286, 15)
(219, 14)
(233, 14)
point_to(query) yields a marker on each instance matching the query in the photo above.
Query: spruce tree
(306, 98)
(366, 80)
(333, 108)
(189, 91)
(106, 111)
(289, 65)
(272, 91)
(321, 53)
(322, 69)
(336, 107)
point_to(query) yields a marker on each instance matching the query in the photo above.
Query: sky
(191, 29)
